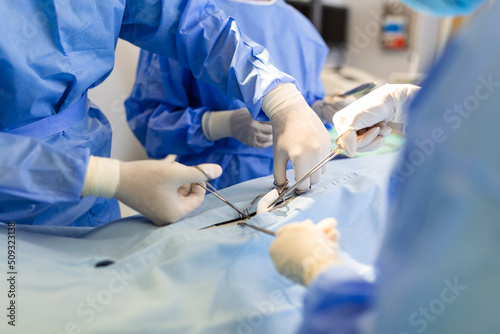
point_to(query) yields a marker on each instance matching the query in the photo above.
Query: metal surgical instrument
(363, 88)
(258, 228)
(320, 164)
(211, 189)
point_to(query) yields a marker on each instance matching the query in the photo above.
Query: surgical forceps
(320, 164)
(244, 214)
(241, 223)
(210, 188)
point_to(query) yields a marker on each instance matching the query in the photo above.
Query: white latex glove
(303, 250)
(370, 114)
(238, 124)
(263, 205)
(162, 191)
(298, 134)
(330, 105)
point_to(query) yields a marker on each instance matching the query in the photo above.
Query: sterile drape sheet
(180, 279)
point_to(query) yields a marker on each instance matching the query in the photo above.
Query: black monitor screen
(301, 6)
(334, 25)
(333, 21)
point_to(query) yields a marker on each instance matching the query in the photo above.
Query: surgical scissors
(211, 189)
(320, 164)
(244, 214)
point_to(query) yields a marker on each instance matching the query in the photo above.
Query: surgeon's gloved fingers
(367, 137)
(298, 133)
(385, 130)
(263, 205)
(212, 171)
(197, 190)
(246, 130)
(163, 191)
(189, 189)
(302, 250)
(348, 142)
(188, 195)
(328, 226)
(297, 226)
(303, 166)
(264, 136)
(279, 168)
(375, 144)
(305, 185)
(316, 177)
(184, 190)
(264, 144)
(263, 140)
(191, 195)
(324, 169)
(333, 235)
(264, 127)
(238, 124)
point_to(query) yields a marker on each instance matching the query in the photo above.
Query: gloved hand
(370, 114)
(162, 191)
(298, 134)
(303, 250)
(238, 124)
(330, 105)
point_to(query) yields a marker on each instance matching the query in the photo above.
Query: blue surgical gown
(439, 266)
(167, 102)
(52, 52)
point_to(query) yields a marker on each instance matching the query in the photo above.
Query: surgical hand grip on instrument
(298, 134)
(162, 191)
(336, 151)
(372, 112)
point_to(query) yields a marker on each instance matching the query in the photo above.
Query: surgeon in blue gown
(438, 269)
(172, 112)
(55, 144)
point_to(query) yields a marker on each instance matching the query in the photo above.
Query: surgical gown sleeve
(160, 111)
(38, 172)
(338, 301)
(441, 251)
(206, 41)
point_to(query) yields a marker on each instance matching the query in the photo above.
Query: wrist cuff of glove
(216, 125)
(317, 268)
(102, 177)
(280, 97)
